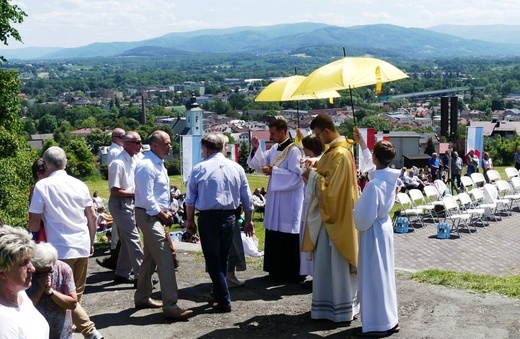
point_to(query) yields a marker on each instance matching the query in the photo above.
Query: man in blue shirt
(152, 201)
(434, 166)
(216, 187)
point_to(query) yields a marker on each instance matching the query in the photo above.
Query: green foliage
(97, 139)
(243, 153)
(374, 121)
(15, 183)
(9, 14)
(501, 150)
(15, 162)
(47, 124)
(80, 161)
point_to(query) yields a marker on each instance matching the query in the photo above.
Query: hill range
(383, 40)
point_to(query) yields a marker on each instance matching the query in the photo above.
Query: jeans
(216, 236)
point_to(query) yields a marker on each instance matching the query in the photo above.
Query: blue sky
(72, 23)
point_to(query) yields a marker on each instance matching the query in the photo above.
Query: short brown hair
(279, 125)
(384, 152)
(323, 121)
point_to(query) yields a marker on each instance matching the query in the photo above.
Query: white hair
(44, 255)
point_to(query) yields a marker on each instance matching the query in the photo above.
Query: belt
(140, 208)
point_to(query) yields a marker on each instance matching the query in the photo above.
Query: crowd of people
(317, 225)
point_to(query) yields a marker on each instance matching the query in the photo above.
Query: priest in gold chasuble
(330, 233)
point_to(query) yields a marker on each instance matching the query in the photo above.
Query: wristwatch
(50, 294)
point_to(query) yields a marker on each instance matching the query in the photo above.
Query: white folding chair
(515, 183)
(511, 172)
(480, 201)
(493, 176)
(407, 209)
(467, 206)
(453, 213)
(441, 187)
(505, 191)
(418, 201)
(467, 183)
(491, 195)
(478, 179)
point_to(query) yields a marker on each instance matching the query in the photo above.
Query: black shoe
(123, 280)
(106, 263)
(221, 308)
(378, 334)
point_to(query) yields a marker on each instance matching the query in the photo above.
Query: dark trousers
(455, 182)
(282, 256)
(216, 236)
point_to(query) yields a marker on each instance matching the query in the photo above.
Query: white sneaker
(94, 335)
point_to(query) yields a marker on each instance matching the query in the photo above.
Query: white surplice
(376, 271)
(284, 201)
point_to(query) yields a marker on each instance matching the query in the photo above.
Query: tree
(430, 148)
(15, 159)
(97, 139)
(243, 153)
(47, 124)
(80, 161)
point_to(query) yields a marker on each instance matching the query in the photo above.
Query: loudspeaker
(454, 118)
(444, 116)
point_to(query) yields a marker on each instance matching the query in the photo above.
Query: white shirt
(121, 171)
(113, 152)
(22, 322)
(152, 185)
(62, 199)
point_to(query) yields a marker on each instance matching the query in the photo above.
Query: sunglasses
(138, 142)
(120, 136)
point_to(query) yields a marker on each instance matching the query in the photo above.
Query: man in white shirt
(66, 208)
(115, 149)
(121, 204)
(152, 200)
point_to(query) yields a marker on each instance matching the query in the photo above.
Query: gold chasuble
(337, 191)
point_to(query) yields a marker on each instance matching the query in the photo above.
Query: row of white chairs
(464, 209)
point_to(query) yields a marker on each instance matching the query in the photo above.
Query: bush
(15, 183)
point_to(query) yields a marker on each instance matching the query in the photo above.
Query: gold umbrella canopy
(283, 89)
(349, 73)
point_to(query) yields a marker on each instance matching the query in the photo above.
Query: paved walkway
(492, 250)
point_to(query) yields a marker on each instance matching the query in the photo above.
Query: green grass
(508, 286)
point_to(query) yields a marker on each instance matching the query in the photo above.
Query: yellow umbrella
(283, 89)
(349, 73)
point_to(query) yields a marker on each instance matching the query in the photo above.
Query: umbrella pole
(298, 114)
(352, 105)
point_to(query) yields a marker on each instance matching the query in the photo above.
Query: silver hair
(55, 158)
(44, 255)
(15, 243)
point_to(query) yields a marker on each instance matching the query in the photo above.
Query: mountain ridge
(381, 40)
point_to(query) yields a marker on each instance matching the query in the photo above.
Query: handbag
(443, 230)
